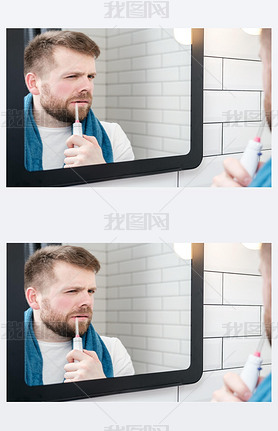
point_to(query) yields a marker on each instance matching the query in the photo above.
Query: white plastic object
(77, 126)
(77, 129)
(77, 341)
(251, 156)
(251, 371)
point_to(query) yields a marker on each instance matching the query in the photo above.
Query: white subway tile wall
(233, 101)
(157, 292)
(145, 74)
(233, 97)
(147, 78)
(146, 316)
(147, 296)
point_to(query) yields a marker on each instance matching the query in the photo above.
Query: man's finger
(92, 139)
(75, 355)
(234, 384)
(91, 353)
(69, 380)
(70, 166)
(70, 375)
(224, 180)
(222, 395)
(234, 169)
(75, 140)
(71, 152)
(71, 366)
(70, 160)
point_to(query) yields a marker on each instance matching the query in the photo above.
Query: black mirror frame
(17, 390)
(18, 176)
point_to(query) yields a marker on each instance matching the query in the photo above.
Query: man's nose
(85, 298)
(85, 84)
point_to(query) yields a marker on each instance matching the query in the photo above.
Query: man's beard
(268, 113)
(59, 108)
(267, 325)
(62, 324)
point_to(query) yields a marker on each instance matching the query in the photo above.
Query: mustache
(82, 96)
(80, 311)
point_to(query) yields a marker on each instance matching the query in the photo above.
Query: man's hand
(234, 390)
(234, 175)
(82, 151)
(88, 367)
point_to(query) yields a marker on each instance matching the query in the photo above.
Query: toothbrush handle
(251, 157)
(77, 129)
(251, 371)
(77, 344)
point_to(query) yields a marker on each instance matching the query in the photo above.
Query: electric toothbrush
(77, 341)
(251, 371)
(252, 153)
(77, 126)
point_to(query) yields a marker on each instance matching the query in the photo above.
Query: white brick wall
(233, 101)
(233, 310)
(231, 277)
(147, 295)
(144, 76)
(150, 69)
(157, 296)
(145, 314)
(139, 83)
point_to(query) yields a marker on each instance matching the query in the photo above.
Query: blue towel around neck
(33, 148)
(263, 391)
(263, 176)
(33, 357)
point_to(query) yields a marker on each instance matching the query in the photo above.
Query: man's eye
(91, 76)
(70, 76)
(92, 291)
(71, 291)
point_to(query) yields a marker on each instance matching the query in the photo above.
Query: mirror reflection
(106, 310)
(105, 95)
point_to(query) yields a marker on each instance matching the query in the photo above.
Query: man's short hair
(41, 49)
(39, 268)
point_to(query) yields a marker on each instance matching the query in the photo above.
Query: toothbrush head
(76, 113)
(76, 327)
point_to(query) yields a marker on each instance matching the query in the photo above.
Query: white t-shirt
(54, 359)
(54, 144)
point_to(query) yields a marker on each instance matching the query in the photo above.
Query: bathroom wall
(233, 311)
(233, 100)
(143, 298)
(233, 316)
(148, 90)
(143, 83)
(148, 304)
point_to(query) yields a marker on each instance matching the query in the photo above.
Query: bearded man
(59, 70)
(60, 285)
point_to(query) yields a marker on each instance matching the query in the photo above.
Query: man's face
(66, 297)
(265, 269)
(68, 81)
(265, 55)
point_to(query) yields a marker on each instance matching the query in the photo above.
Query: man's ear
(31, 295)
(31, 81)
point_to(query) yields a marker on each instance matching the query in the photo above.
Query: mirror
(147, 297)
(146, 82)
(143, 83)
